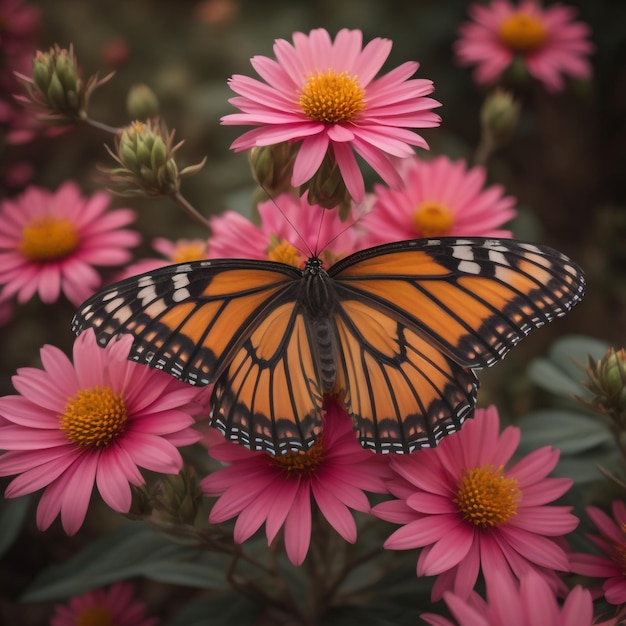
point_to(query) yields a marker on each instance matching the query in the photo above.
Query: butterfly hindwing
(269, 397)
(402, 392)
(189, 319)
(474, 298)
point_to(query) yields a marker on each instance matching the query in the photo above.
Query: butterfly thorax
(319, 301)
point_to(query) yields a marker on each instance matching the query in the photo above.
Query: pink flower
(324, 94)
(439, 198)
(258, 487)
(289, 233)
(468, 511)
(532, 602)
(612, 541)
(50, 242)
(179, 251)
(94, 422)
(114, 605)
(549, 41)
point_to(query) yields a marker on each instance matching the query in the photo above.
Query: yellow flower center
(485, 497)
(189, 250)
(94, 417)
(284, 252)
(332, 98)
(302, 461)
(522, 32)
(48, 238)
(432, 219)
(94, 616)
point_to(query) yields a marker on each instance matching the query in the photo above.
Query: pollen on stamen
(48, 238)
(332, 97)
(486, 497)
(94, 417)
(301, 461)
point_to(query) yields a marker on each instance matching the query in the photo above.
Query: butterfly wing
(190, 319)
(269, 396)
(415, 318)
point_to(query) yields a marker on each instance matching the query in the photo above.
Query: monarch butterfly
(395, 332)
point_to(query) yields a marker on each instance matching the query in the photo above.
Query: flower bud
(607, 381)
(272, 166)
(142, 103)
(499, 116)
(146, 154)
(177, 498)
(327, 189)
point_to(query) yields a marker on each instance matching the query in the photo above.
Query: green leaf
(571, 432)
(130, 551)
(12, 514)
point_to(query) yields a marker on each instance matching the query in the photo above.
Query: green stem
(189, 210)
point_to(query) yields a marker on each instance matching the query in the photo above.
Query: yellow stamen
(284, 252)
(189, 250)
(302, 461)
(331, 97)
(522, 32)
(94, 417)
(48, 238)
(94, 616)
(433, 219)
(485, 497)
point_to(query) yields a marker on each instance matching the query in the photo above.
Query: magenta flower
(179, 251)
(289, 235)
(115, 606)
(612, 541)
(324, 94)
(549, 41)
(50, 242)
(94, 422)
(532, 602)
(258, 487)
(468, 512)
(439, 198)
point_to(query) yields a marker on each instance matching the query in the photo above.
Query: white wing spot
(113, 304)
(496, 256)
(465, 253)
(470, 267)
(180, 295)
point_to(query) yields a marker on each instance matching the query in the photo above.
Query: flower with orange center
(468, 510)
(115, 606)
(548, 41)
(323, 96)
(91, 423)
(290, 230)
(439, 198)
(52, 241)
(257, 487)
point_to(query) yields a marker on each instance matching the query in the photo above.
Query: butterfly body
(395, 333)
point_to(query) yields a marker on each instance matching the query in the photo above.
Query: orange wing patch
(269, 397)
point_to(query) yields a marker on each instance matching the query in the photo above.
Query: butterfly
(395, 333)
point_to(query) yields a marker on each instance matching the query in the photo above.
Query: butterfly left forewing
(188, 319)
(474, 298)
(269, 396)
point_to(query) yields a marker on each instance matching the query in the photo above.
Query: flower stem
(189, 210)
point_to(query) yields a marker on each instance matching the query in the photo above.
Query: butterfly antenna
(362, 208)
(307, 249)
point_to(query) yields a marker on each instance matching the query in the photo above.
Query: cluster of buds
(607, 382)
(55, 90)
(145, 151)
(272, 167)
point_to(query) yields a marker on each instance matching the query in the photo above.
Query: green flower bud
(42, 71)
(272, 166)
(142, 103)
(499, 115)
(327, 189)
(177, 498)
(607, 381)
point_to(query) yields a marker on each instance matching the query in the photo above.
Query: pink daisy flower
(549, 41)
(258, 487)
(324, 94)
(115, 605)
(532, 602)
(179, 251)
(468, 512)
(612, 541)
(440, 197)
(289, 235)
(94, 422)
(50, 242)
